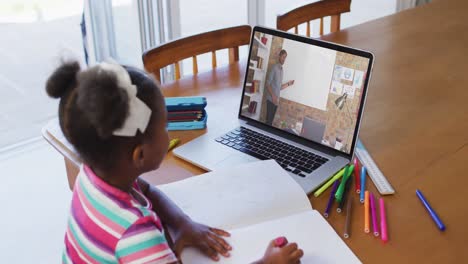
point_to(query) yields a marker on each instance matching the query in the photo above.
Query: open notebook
(257, 202)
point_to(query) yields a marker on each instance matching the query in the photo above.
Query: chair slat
(308, 29)
(177, 71)
(214, 64)
(335, 23)
(157, 75)
(233, 54)
(321, 26)
(195, 64)
(295, 30)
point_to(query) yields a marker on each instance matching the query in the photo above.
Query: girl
(115, 118)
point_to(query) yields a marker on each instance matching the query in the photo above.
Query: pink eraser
(281, 241)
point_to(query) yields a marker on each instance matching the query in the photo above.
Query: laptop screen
(312, 91)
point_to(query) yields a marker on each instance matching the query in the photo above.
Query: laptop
(301, 105)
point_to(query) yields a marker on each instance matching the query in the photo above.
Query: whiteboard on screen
(311, 68)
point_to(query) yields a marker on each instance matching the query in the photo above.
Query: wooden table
(415, 126)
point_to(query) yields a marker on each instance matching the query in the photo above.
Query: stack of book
(257, 64)
(254, 87)
(260, 63)
(252, 107)
(186, 113)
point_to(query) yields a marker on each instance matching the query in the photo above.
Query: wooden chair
(307, 13)
(173, 52)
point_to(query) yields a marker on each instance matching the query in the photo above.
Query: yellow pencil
(329, 183)
(366, 212)
(173, 143)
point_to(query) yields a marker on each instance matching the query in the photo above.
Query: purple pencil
(375, 227)
(330, 200)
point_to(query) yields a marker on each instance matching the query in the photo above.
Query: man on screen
(274, 85)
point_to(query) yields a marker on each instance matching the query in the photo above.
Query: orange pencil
(366, 212)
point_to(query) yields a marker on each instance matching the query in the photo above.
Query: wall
(311, 68)
(340, 123)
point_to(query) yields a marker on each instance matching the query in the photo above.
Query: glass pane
(197, 16)
(366, 10)
(35, 35)
(273, 8)
(361, 11)
(127, 32)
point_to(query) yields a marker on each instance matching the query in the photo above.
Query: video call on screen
(306, 90)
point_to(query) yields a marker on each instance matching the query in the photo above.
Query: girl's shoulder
(99, 200)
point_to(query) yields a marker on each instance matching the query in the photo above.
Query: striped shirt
(108, 225)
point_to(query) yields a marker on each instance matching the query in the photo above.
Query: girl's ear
(138, 157)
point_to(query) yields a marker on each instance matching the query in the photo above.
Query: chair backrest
(317, 10)
(173, 52)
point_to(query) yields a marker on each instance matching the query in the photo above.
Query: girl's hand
(208, 240)
(288, 254)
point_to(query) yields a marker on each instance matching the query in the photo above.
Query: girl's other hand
(208, 240)
(288, 254)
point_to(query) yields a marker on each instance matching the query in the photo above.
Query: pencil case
(190, 103)
(185, 103)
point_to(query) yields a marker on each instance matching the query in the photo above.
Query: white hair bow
(139, 113)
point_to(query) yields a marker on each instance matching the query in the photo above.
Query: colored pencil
(173, 143)
(431, 211)
(347, 231)
(332, 197)
(345, 195)
(383, 221)
(363, 183)
(341, 187)
(366, 212)
(357, 179)
(375, 227)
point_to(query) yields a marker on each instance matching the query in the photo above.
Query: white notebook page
(235, 197)
(313, 234)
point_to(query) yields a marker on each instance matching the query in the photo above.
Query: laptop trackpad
(233, 160)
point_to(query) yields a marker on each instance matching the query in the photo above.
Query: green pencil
(340, 191)
(329, 182)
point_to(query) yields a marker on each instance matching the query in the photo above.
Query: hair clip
(139, 113)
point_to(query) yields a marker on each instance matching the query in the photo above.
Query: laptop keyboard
(291, 158)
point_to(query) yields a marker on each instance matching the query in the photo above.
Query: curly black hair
(92, 107)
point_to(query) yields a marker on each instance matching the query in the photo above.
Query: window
(361, 11)
(126, 30)
(206, 15)
(35, 35)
